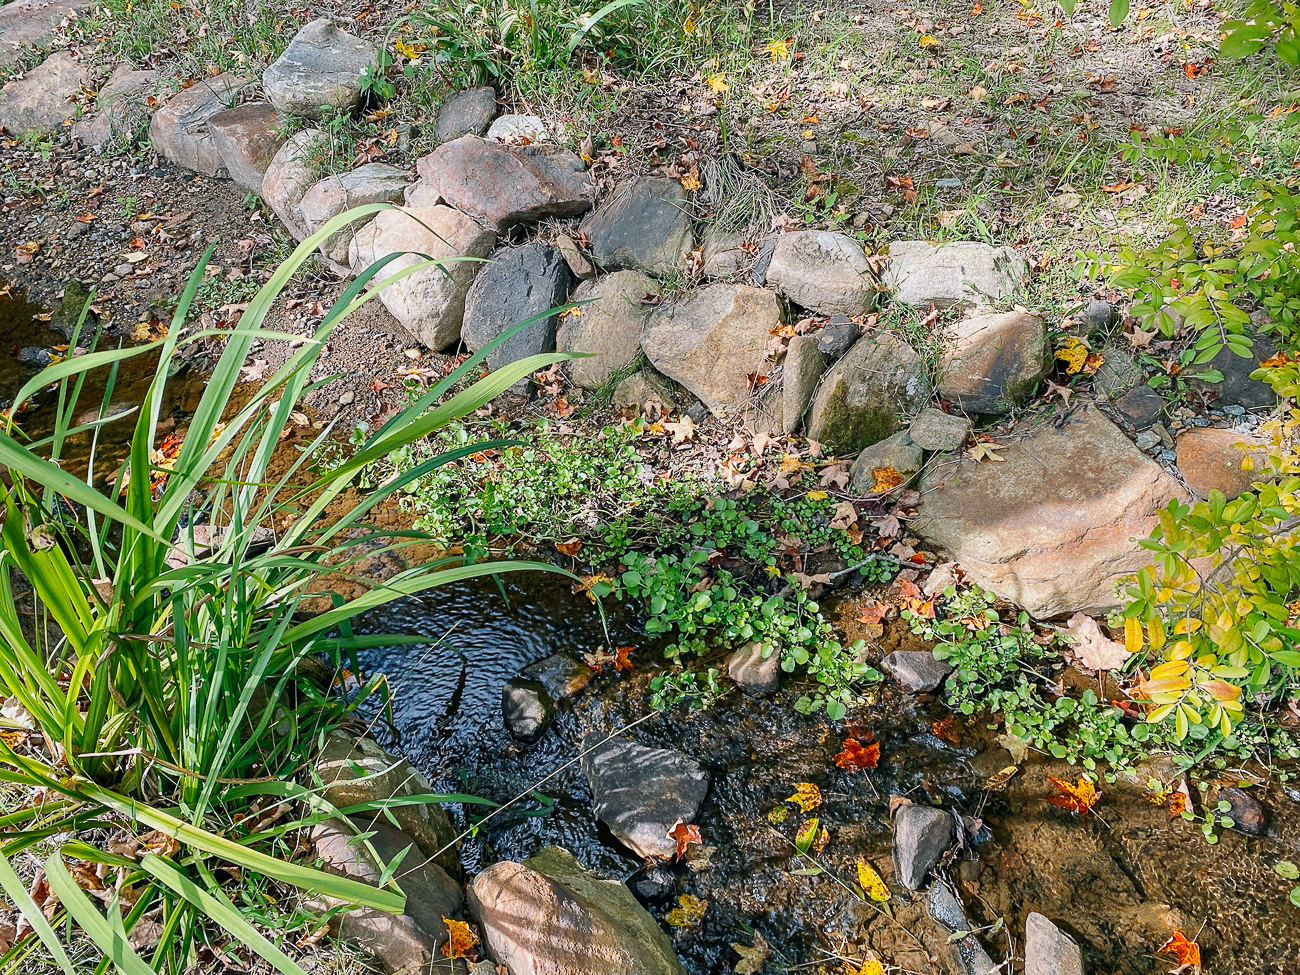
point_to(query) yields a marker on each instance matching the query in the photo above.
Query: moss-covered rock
(865, 396)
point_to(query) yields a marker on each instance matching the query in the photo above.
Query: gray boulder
(917, 671)
(897, 452)
(714, 341)
(575, 258)
(959, 273)
(288, 178)
(121, 109)
(561, 675)
(936, 430)
(31, 23)
(526, 709)
(1049, 950)
(864, 397)
(641, 793)
(519, 283)
(801, 370)
(922, 835)
(646, 386)
(40, 102)
(320, 69)
(608, 325)
(179, 130)
(371, 183)
(647, 225)
(755, 674)
(1237, 388)
(993, 362)
(430, 303)
(247, 137)
(723, 256)
(823, 271)
(467, 112)
(518, 129)
(550, 916)
(837, 336)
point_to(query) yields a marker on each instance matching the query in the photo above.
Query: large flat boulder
(288, 178)
(1054, 524)
(607, 325)
(40, 102)
(1212, 459)
(121, 108)
(503, 185)
(963, 272)
(371, 183)
(429, 303)
(993, 362)
(550, 916)
(179, 130)
(714, 342)
(823, 271)
(520, 282)
(31, 23)
(247, 137)
(320, 70)
(646, 226)
(867, 395)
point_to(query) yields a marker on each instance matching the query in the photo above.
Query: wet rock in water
(519, 283)
(287, 180)
(837, 337)
(1049, 950)
(121, 111)
(1141, 406)
(371, 183)
(1210, 460)
(943, 907)
(35, 355)
(575, 258)
(755, 674)
(640, 793)
(922, 835)
(608, 325)
(863, 398)
(897, 454)
(40, 102)
(959, 273)
(518, 129)
(713, 341)
(994, 362)
(823, 271)
(1247, 813)
(653, 884)
(550, 916)
(179, 130)
(646, 226)
(68, 313)
(353, 772)
(645, 386)
(467, 112)
(917, 671)
(723, 256)
(247, 137)
(526, 709)
(405, 943)
(430, 303)
(501, 186)
(320, 69)
(935, 430)
(562, 675)
(1237, 388)
(1052, 526)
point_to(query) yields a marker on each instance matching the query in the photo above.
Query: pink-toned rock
(40, 102)
(994, 361)
(429, 303)
(121, 110)
(1055, 524)
(31, 23)
(247, 137)
(1211, 460)
(371, 183)
(288, 178)
(179, 130)
(502, 185)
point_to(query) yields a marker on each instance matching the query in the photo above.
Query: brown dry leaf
(682, 430)
(570, 548)
(684, 834)
(984, 451)
(1093, 649)
(854, 756)
(753, 958)
(26, 253)
(689, 912)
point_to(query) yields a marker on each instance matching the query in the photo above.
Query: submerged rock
(1049, 950)
(946, 910)
(561, 675)
(526, 709)
(756, 675)
(550, 916)
(917, 671)
(640, 793)
(1247, 813)
(922, 835)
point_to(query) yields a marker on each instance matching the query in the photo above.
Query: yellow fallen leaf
(778, 50)
(817, 495)
(872, 884)
(984, 451)
(689, 913)
(886, 479)
(806, 796)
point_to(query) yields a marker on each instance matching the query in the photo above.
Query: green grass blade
(17, 893)
(111, 942)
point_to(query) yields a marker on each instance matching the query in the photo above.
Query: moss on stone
(844, 428)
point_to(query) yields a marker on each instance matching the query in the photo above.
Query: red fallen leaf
(874, 612)
(570, 548)
(854, 756)
(908, 589)
(623, 659)
(1119, 187)
(1238, 221)
(1187, 952)
(943, 729)
(1076, 798)
(684, 835)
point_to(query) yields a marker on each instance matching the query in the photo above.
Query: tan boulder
(608, 325)
(1211, 460)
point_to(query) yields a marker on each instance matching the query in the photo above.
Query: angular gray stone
(647, 225)
(467, 112)
(917, 671)
(179, 130)
(1117, 374)
(1236, 387)
(526, 709)
(1098, 315)
(713, 341)
(801, 370)
(958, 273)
(754, 674)
(550, 916)
(287, 180)
(945, 910)
(121, 109)
(39, 102)
(562, 675)
(423, 193)
(518, 129)
(31, 23)
(321, 68)
(645, 386)
(865, 396)
(609, 325)
(1052, 526)
(1049, 950)
(520, 282)
(935, 430)
(501, 185)
(823, 271)
(247, 137)
(641, 793)
(922, 835)
(723, 256)
(898, 452)
(430, 303)
(1141, 406)
(837, 337)
(993, 362)
(371, 183)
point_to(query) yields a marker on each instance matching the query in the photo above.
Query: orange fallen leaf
(572, 547)
(943, 729)
(1076, 798)
(1187, 952)
(855, 756)
(462, 940)
(873, 612)
(886, 479)
(623, 659)
(684, 834)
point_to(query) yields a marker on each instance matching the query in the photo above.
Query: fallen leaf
(255, 372)
(872, 884)
(462, 940)
(753, 958)
(873, 612)
(1064, 392)
(1017, 746)
(26, 253)
(854, 756)
(998, 781)
(689, 912)
(1092, 648)
(623, 659)
(871, 965)
(886, 479)
(778, 49)
(571, 548)
(943, 729)
(984, 451)
(811, 836)
(1187, 952)
(684, 834)
(1076, 798)
(682, 430)
(806, 796)
(1074, 354)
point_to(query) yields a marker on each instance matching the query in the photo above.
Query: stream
(1120, 879)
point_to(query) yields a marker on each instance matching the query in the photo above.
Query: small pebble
(347, 398)
(949, 183)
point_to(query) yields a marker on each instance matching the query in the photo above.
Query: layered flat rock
(247, 137)
(518, 284)
(287, 180)
(40, 102)
(371, 183)
(607, 325)
(993, 363)
(646, 226)
(179, 130)
(320, 69)
(959, 273)
(867, 395)
(714, 342)
(1053, 525)
(121, 108)
(503, 185)
(429, 303)
(31, 23)
(823, 271)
